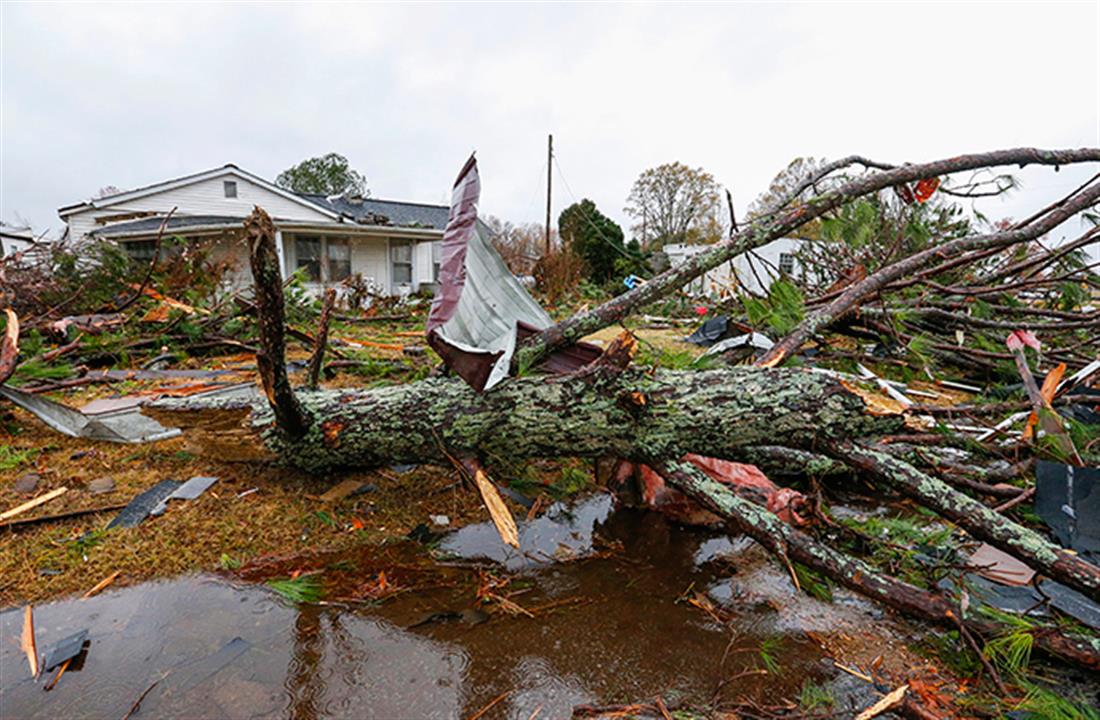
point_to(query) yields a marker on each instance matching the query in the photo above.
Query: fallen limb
(789, 544)
(974, 517)
(770, 227)
(875, 282)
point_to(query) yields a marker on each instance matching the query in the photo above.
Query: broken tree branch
(788, 542)
(763, 230)
(271, 320)
(320, 340)
(974, 517)
(875, 282)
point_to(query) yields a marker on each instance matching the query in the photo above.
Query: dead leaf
(925, 188)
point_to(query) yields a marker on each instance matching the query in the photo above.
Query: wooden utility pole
(549, 176)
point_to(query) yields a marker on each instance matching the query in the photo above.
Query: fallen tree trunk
(606, 411)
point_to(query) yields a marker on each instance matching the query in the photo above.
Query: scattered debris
(889, 701)
(101, 486)
(26, 483)
(502, 517)
(31, 504)
(1068, 500)
(188, 491)
(344, 489)
(65, 649)
(143, 504)
(99, 586)
(127, 426)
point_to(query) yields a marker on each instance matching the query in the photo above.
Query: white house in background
(752, 271)
(393, 245)
(15, 239)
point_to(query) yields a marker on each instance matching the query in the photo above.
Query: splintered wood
(502, 519)
(27, 643)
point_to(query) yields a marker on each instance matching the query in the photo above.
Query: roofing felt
(152, 224)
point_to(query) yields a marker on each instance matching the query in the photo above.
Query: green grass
(11, 458)
(303, 589)
(812, 583)
(1010, 653)
(812, 697)
(1042, 704)
(769, 648)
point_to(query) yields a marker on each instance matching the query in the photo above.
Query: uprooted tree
(776, 417)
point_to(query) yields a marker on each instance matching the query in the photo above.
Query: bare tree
(674, 203)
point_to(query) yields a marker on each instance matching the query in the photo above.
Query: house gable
(200, 194)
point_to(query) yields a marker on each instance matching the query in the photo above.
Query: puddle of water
(607, 629)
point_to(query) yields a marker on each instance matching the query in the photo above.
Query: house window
(401, 261)
(140, 250)
(339, 259)
(786, 263)
(230, 187)
(307, 253)
(437, 251)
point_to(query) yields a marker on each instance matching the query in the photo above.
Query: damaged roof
(148, 225)
(369, 211)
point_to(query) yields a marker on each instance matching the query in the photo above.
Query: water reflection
(606, 629)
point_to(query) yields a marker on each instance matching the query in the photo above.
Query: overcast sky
(126, 95)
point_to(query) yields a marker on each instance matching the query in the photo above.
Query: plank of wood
(69, 514)
(31, 504)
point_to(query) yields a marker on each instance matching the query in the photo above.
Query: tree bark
(763, 230)
(974, 517)
(320, 340)
(603, 411)
(271, 319)
(790, 544)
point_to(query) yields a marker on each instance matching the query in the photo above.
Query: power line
(618, 248)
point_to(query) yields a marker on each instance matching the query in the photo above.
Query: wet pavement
(603, 618)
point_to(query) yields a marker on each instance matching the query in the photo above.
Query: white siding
(207, 197)
(422, 263)
(369, 257)
(739, 271)
(202, 197)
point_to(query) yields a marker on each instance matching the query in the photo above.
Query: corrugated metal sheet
(480, 306)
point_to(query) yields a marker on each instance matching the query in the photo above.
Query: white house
(752, 271)
(393, 245)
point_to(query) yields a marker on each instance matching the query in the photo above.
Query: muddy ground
(408, 613)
